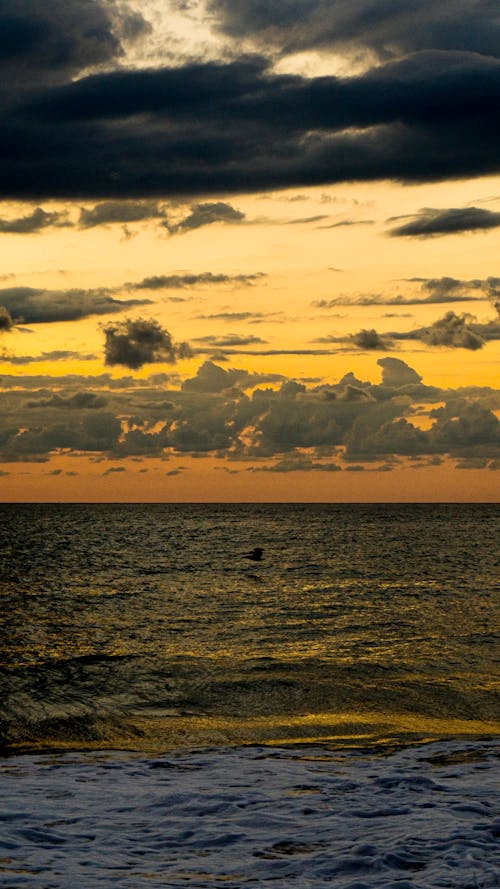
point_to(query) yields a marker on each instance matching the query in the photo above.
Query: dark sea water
(143, 627)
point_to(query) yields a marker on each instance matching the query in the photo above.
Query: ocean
(175, 713)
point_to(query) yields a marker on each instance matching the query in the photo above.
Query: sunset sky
(249, 251)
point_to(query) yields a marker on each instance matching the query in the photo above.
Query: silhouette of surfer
(256, 554)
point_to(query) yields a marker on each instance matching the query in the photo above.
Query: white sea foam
(419, 818)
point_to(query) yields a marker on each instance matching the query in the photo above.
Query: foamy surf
(417, 818)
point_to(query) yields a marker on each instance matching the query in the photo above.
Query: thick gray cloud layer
(388, 29)
(214, 412)
(52, 41)
(427, 112)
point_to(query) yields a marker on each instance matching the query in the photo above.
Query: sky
(249, 251)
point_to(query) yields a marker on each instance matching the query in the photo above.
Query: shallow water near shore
(414, 819)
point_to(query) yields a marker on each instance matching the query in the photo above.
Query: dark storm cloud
(133, 343)
(51, 41)
(33, 222)
(35, 306)
(429, 223)
(219, 127)
(388, 29)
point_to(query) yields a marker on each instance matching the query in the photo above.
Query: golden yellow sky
(308, 268)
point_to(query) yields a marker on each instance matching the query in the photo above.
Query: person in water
(256, 554)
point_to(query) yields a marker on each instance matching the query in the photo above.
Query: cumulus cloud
(429, 223)
(370, 339)
(452, 330)
(34, 222)
(397, 373)
(35, 306)
(351, 420)
(133, 343)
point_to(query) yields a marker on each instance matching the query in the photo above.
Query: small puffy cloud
(36, 306)
(396, 373)
(429, 222)
(206, 214)
(33, 222)
(112, 212)
(370, 340)
(133, 343)
(212, 378)
(113, 469)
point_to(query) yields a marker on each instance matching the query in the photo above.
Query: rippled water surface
(146, 627)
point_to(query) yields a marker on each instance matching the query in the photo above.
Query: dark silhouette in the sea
(256, 554)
